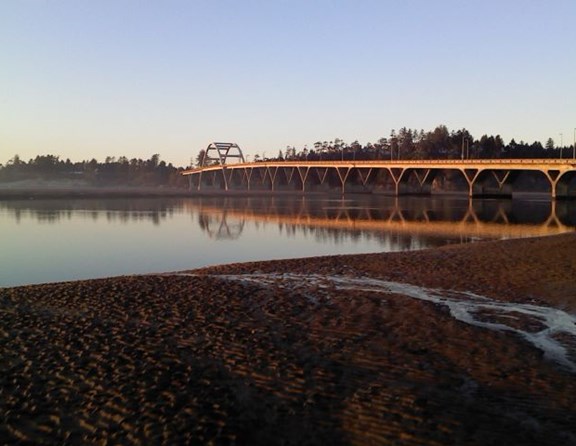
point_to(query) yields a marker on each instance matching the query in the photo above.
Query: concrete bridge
(477, 177)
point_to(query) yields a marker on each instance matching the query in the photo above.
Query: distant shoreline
(136, 192)
(9, 191)
(89, 192)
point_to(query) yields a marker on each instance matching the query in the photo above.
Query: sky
(85, 79)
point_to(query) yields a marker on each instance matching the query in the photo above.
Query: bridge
(477, 177)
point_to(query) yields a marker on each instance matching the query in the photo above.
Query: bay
(61, 240)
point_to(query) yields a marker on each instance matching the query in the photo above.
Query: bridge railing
(447, 162)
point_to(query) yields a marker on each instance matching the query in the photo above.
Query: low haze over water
(60, 240)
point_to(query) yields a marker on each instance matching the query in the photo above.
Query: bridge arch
(565, 185)
(486, 182)
(504, 182)
(219, 153)
(423, 180)
(501, 182)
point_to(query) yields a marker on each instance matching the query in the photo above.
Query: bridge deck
(483, 176)
(422, 164)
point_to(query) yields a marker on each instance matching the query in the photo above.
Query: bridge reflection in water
(225, 218)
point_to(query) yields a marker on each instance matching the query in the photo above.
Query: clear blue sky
(92, 78)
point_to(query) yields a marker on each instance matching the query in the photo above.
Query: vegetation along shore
(464, 344)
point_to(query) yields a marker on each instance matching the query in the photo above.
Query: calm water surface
(60, 240)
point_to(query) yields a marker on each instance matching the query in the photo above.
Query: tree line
(111, 172)
(404, 144)
(411, 144)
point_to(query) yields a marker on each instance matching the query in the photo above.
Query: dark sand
(168, 359)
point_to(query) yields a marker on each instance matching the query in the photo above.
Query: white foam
(463, 306)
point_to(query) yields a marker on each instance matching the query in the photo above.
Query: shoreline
(59, 190)
(63, 192)
(323, 350)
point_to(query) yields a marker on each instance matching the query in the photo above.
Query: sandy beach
(465, 344)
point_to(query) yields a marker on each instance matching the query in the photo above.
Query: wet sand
(330, 350)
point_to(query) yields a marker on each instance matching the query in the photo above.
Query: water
(59, 240)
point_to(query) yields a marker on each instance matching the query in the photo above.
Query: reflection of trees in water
(112, 210)
(204, 221)
(155, 217)
(369, 218)
(400, 240)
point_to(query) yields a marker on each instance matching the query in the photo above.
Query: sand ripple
(371, 349)
(556, 329)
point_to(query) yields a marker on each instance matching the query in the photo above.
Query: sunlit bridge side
(476, 177)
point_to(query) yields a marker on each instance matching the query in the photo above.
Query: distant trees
(403, 144)
(121, 171)
(413, 144)
(200, 157)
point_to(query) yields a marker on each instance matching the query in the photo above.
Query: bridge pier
(564, 185)
(483, 177)
(490, 183)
